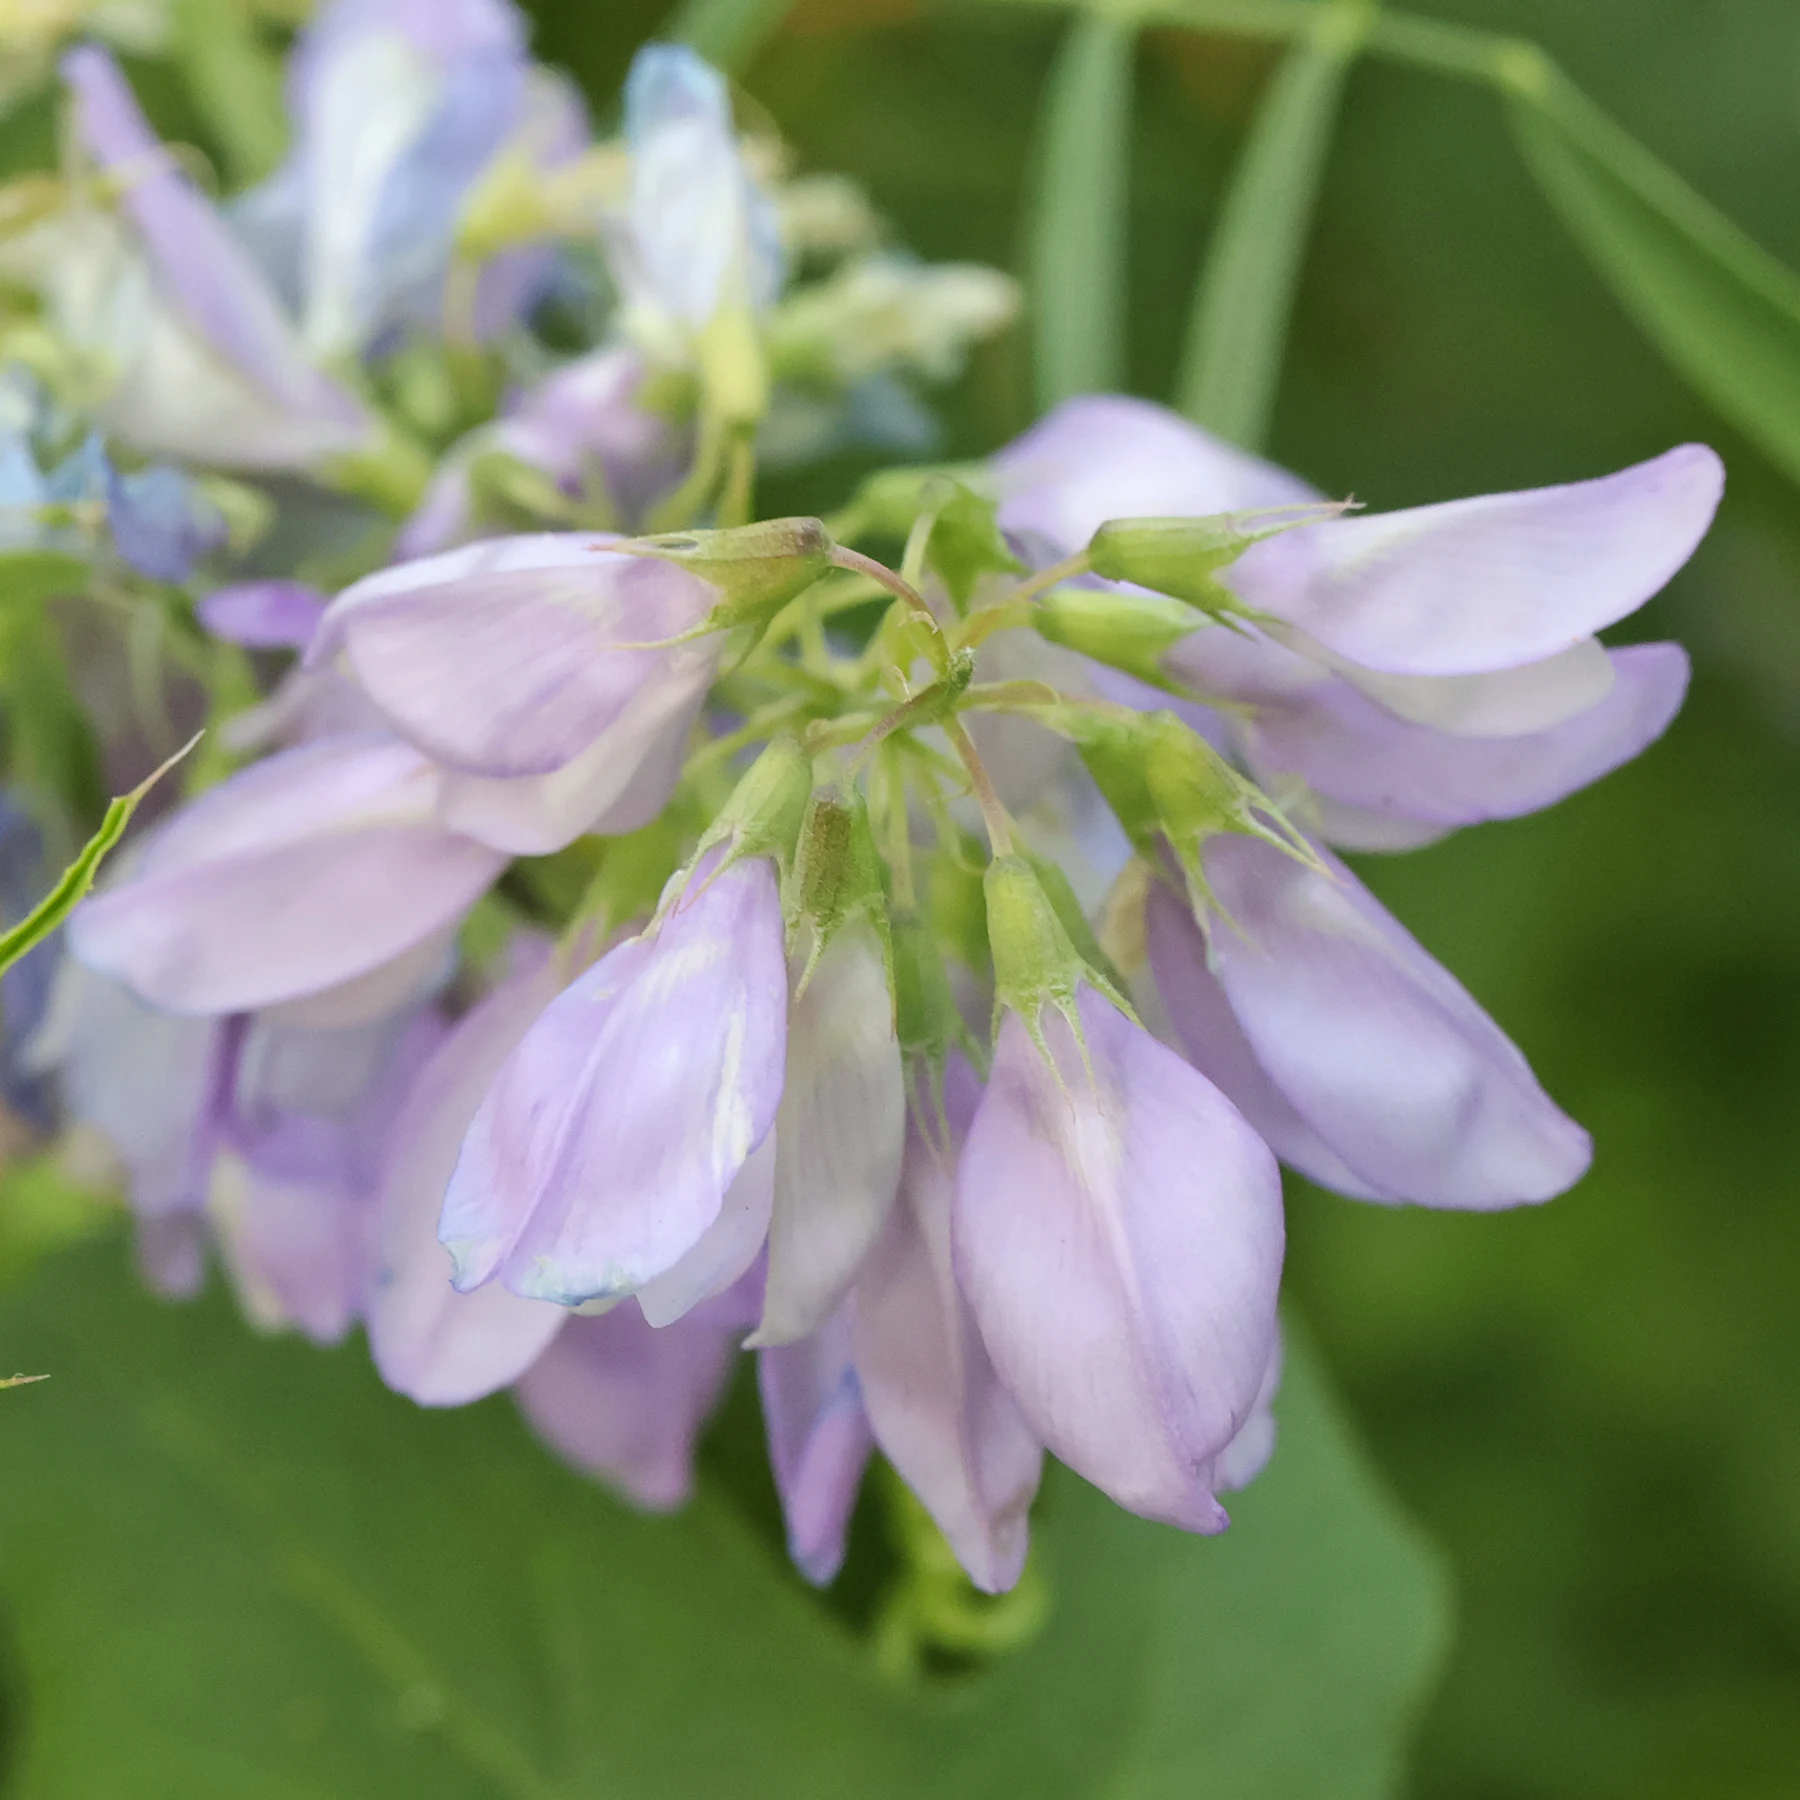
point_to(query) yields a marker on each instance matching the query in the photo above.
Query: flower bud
(1126, 631)
(1181, 556)
(836, 878)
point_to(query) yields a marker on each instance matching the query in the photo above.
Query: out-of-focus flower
(193, 353)
(399, 106)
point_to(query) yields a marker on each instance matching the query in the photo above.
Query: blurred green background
(1594, 1406)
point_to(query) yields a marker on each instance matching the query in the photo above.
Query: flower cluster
(620, 950)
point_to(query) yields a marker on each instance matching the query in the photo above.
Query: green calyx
(836, 879)
(764, 815)
(1125, 631)
(1036, 963)
(1182, 557)
(756, 569)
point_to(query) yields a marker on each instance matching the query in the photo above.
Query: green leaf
(1076, 277)
(235, 81)
(30, 576)
(1237, 334)
(728, 33)
(236, 1566)
(73, 884)
(1718, 306)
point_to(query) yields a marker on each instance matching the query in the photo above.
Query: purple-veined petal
(937, 1409)
(1118, 1233)
(840, 1129)
(263, 615)
(301, 873)
(429, 1342)
(624, 1402)
(1489, 583)
(505, 658)
(1373, 1044)
(819, 1442)
(1352, 751)
(605, 1148)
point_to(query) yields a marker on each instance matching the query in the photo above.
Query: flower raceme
(781, 1052)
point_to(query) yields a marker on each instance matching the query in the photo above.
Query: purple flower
(624, 1402)
(519, 665)
(1360, 1059)
(819, 1442)
(431, 1343)
(322, 872)
(207, 366)
(614, 1152)
(937, 1409)
(399, 107)
(1118, 1234)
(1422, 669)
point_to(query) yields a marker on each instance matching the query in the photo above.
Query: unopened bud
(837, 875)
(1182, 556)
(1125, 631)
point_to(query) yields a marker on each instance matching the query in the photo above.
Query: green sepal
(1125, 631)
(966, 542)
(836, 878)
(763, 817)
(757, 569)
(1075, 922)
(1181, 556)
(1035, 962)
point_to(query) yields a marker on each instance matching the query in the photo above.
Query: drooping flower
(1360, 1060)
(1423, 669)
(1117, 1229)
(626, 1146)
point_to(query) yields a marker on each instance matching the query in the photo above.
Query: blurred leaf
(1077, 248)
(43, 1209)
(30, 576)
(1237, 335)
(73, 884)
(727, 33)
(234, 79)
(236, 1566)
(1721, 309)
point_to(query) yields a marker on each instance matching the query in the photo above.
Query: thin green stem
(981, 784)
